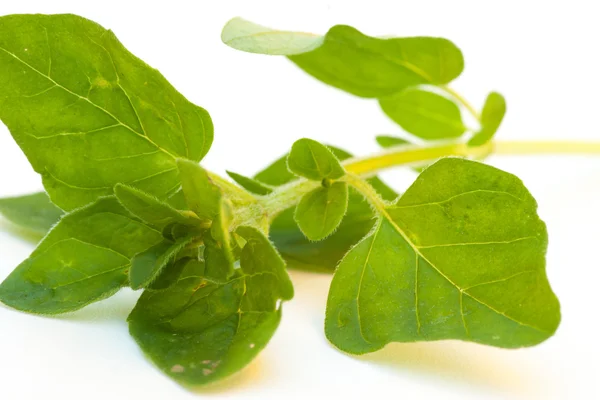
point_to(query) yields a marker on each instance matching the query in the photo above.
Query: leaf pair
(320, 211)
(324, 255)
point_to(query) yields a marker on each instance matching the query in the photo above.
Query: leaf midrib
(91, 102)
(381, 207)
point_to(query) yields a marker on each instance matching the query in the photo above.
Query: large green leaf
(459, 256)
(424, 114)
(352, 61)
(322, 256)
(491, 118)
(248, 36)
(200, 330)
(85, 258)
(88, 114)
(34, 212)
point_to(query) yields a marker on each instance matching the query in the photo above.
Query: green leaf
(491, 118)
(84, 258)
(424, 114)
(218, 253)
(148, 265)
(199, 330)
(276, 174)
(34, 212)
(169, 276)
(352, 61)
(149, 209)
(253, 38)
(322, 256)
(88, 114)
(251, 185)
(321, 211)
(370, 67)
(387, 141)
(459, 256)
(202, 196)
(312, 160)
(260, 258)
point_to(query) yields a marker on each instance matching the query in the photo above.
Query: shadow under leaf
(458, 361)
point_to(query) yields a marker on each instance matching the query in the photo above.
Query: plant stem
(234, 192)
(546, 147)
(462, 101)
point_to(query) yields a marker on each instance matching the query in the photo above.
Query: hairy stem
(288, 195)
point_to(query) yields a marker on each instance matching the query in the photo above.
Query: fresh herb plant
(459, 255)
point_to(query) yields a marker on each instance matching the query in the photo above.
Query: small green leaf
(251, 185)
(218, 254)
(260, 257)
(276, 174)
(34, 212)
(199, 330)
(323, 256)
(89, 114)
(149, 209)
(491, 118)
(253, 38)
(321, 211)
(171, 273)
(459, 256)
(387, 141)
(312, 160)
(202, 196)
(424, 114)
(148, 265)
(84, 258)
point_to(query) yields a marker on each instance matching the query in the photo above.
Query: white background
(542, 55)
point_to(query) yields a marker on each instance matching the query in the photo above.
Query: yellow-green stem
(288, 195)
